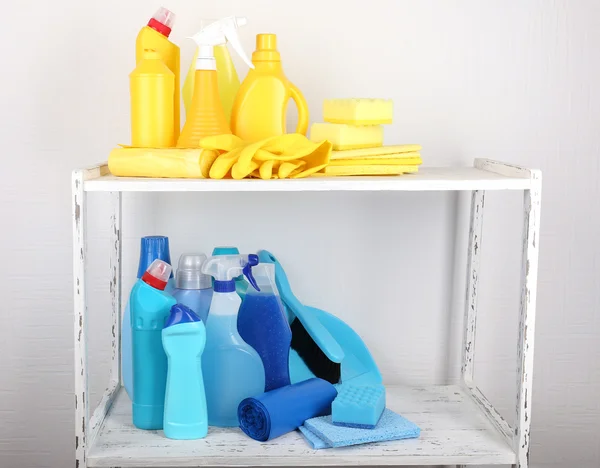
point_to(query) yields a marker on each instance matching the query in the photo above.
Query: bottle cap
(181, 314)
(225, 250)
(157, 274)
(151, 248)
(189, 272)
(266, 49)
(162, 21)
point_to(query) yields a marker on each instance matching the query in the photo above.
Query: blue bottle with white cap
(151, 248)
(192, 287)
(184, 338)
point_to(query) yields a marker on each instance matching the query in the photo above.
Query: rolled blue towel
(280, 411)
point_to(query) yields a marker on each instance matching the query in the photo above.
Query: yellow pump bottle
(205, 116)
(228, 79)
(151, 88)
(259, 109)
(156, 36)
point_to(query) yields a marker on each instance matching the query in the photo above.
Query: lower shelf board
(453, 431)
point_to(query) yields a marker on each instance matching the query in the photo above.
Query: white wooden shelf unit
(459, 425)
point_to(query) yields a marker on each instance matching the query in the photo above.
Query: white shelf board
(453, 432)
(427, 179)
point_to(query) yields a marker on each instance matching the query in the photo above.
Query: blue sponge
(391, 426)
(358, 406)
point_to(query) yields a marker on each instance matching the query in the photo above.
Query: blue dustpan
(357, 364)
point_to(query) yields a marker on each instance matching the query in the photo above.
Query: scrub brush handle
(309, 321)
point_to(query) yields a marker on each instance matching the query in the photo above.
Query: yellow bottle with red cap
(260, 106)
(155, 36)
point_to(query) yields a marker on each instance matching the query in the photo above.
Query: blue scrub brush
(358, 406)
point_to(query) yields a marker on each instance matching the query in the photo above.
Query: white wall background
(510, 80)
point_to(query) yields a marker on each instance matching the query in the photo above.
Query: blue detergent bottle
(150, 307)
(262, 324)
(151, 248)
(184, 338)
(192, 287)
(232, 369)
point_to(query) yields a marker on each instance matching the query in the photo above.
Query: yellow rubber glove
(289, 155)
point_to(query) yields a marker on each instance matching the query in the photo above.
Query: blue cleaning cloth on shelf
(391, 426)
(313, 440)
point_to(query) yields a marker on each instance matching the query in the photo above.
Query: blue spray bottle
(184, 338)
(150, 306)
(232, 369)
(240, 283)
(262, 324)
(193, 288)
(151, 248)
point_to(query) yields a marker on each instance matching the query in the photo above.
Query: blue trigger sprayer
(232, 369)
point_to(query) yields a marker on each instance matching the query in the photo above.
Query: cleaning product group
(239, 130)
(225, 342)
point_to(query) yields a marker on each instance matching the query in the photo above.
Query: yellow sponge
(347, 137)
(358, 111)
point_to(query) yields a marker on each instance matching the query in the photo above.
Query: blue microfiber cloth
(313, 440)
(391, 426)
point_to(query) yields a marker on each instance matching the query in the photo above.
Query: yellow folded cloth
(376, 151)
(155, 162)
(286, 156)
(385, 159)
(367, 169)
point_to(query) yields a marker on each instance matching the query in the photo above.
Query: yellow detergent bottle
(151, 88)
(228, 79)
(206, 116)
(156, 36)
(259, 109)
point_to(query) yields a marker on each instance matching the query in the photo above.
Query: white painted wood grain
(79, 219)
(116, 240)
(490, 411)
(454, 431)
(427, 179)
(529, 274)
(472, 283)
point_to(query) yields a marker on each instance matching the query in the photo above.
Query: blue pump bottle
(151, 248)
(232, 369)
(150, 306)
(184, 338)
(193, 288)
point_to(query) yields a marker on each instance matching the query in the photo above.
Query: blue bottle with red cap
(151, 248)
(232, 369)
(150, 308)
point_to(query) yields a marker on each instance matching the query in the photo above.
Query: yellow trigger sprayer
(218, 34)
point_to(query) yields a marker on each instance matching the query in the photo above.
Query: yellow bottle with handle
(259, 109)
(151, 86)
(156, 36)
(227, 76)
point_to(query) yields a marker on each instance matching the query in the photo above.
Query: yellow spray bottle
(206, 116)
(228, 79)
